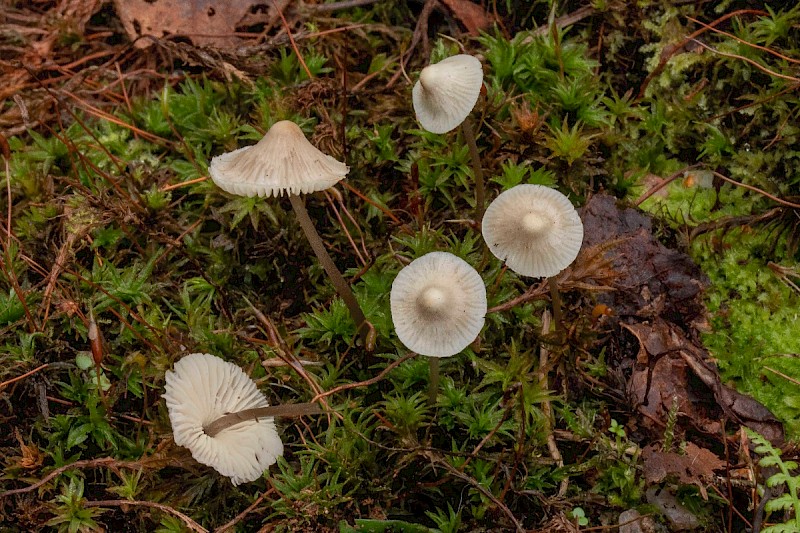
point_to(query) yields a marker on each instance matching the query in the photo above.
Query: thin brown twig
(747, 43)
(367, 382)
(5, 264)
(533, 293)
(5, 384)
(664, 183)
(420, 32)
(191, 524)
(777, 372)
(483, 490)
(349, 237)
(239, 517)
(86, 463)
(349, 215)
(756, 64)
(361, 195)
(173, 186)
(291, 40)
(757, 190)
(670, 51)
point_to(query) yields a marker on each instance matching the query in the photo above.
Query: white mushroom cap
(282, 162)
(446, 92)
(203, 388)
(438, 304)
(534, 229)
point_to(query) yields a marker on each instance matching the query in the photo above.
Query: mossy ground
(112, 217)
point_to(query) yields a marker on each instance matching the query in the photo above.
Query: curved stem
(433, 383)
(342, 287)
(285, 410)
(469, 136)
(556, 298)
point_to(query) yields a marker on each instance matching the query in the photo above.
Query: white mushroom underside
(282, 162)
(443, 329)
(545, 252)
(201, 389)
(446, 92)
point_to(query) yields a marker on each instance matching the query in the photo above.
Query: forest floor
(667, 398)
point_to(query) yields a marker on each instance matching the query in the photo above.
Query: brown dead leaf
(653, 280)
(657, 297)
(31, 457)
(670, 368)
(205, 22)
(694, 467)
(472, 16)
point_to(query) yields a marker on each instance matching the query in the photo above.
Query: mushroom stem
(286, 410)
(342, 287)
(469, 136)
(433, 382)
(555, 296)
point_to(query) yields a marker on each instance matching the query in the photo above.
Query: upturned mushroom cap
(446, 92)
(282, 162)
(201, 389)
(438, 304)
(534, 229)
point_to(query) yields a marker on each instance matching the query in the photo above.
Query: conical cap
(282, 162)
(446, 92)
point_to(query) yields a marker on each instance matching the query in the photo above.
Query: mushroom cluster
(438, 301)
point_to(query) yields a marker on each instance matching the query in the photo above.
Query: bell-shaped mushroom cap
(438, 304)
(282, 162)
(446, 92)
(201, 389)
(534, 229)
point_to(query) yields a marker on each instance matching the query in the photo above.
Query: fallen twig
(191, 524)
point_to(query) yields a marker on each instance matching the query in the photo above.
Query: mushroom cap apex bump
(282, 162)
(446, 92)
(438, 304)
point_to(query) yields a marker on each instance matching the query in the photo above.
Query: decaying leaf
(472, 16)
(657, 297)
(695, 466)
(670, 368)
(205, 22)
(653, 280)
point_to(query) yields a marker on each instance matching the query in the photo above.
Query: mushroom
(285, 162)
(438, 305)
(536, 231)
(201, 389)
(443, 98)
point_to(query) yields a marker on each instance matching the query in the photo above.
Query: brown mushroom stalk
(433, 382)
(290, 410)
(480, 195)
(363, 327)
(555, 296)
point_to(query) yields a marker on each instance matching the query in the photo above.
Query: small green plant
(579, 515)
(71, 515)
(446, 521)
(787, 476)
